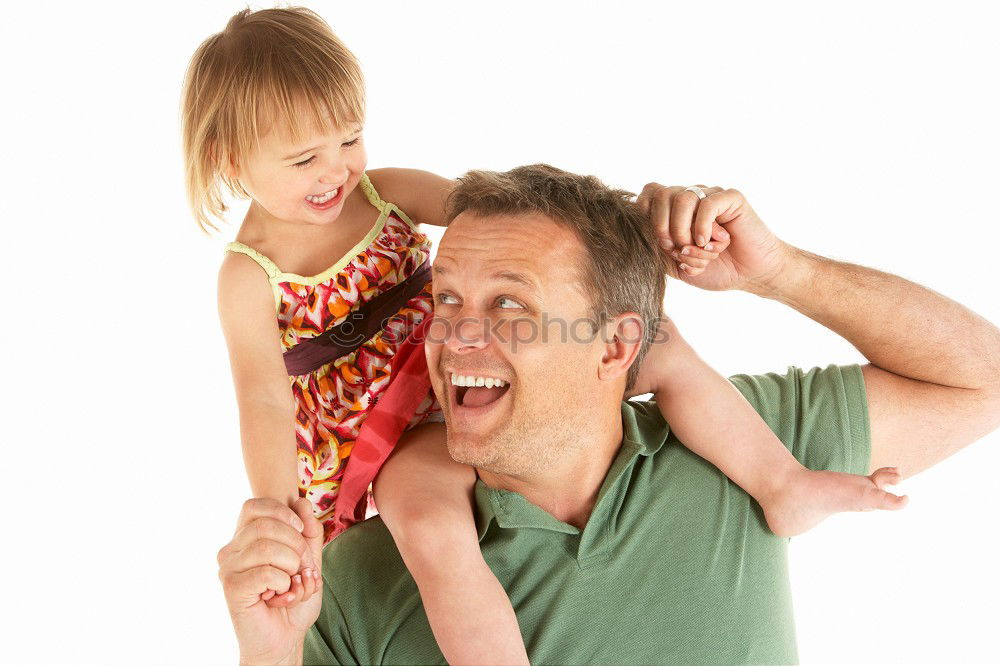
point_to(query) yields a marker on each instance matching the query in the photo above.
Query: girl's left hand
(745, 254)
(689, 241)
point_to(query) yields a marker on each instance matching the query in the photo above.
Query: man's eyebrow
(502, 275)
(514, 276)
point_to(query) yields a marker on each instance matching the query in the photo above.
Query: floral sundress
(333, 400)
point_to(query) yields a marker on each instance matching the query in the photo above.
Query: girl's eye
(305, 163)
(352, 142)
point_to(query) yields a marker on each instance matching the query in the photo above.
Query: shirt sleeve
(329, 640)
(820, 414)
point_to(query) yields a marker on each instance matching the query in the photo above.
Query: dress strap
(372, 194)
(269, 267)
(384, 206)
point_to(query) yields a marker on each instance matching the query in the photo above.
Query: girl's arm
(267, 410)
(420, 194)
(713, 419)
(425, 499)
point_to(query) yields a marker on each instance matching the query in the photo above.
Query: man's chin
(473, 449)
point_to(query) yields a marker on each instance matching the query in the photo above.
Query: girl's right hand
(265, 553)
(304, 584)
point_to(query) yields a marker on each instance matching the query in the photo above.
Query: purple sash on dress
(359, 326)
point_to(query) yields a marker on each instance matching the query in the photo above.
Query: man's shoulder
(363, 559)
(772, 393)
(690, 497)
(820, 414)
(773, 390)
(663, 459)
(369, 537)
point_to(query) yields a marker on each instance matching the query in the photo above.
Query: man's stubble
(540, 434)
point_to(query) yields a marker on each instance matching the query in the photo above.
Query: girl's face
(304, 181)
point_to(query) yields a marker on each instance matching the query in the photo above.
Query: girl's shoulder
(421, 194)
(263, 261)
(241, 278)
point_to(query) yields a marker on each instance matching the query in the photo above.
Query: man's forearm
(898, 325)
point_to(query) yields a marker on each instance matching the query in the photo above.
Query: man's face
(497, 281)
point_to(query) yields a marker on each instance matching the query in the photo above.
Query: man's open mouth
(475, 391)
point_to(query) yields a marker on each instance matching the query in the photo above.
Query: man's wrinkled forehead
(522, 249)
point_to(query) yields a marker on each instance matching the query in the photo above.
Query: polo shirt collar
(643, 433)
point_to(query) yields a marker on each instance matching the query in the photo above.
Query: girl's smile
(327, 200)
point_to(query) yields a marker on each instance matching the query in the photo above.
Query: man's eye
(305, 163)
(509, 300)
(441, 297)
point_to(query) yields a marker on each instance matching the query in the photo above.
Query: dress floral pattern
(333, 400)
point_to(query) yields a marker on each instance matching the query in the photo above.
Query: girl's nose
(335, 176)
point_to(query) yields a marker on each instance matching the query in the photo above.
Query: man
(614, 542)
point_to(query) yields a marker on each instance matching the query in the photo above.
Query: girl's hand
(304, 584)
(265, 554)
(748, 253)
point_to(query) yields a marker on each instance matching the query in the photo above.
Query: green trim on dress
(276, 276)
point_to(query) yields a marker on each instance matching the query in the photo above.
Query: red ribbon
(409, 384)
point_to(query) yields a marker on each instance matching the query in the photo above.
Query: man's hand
(264, 557)
(742, 253)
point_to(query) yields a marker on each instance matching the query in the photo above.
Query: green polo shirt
(675, 565)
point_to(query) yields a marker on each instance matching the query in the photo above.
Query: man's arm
(933, 377)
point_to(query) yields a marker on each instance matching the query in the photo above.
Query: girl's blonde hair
(265, 70)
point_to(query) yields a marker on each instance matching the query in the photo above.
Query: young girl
(321, 299)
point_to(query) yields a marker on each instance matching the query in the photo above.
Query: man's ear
(621, 341)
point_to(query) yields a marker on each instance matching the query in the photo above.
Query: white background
(866, 132)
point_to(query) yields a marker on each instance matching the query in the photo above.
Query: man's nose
(469, 333)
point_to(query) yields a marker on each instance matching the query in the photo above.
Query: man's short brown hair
(624, 270)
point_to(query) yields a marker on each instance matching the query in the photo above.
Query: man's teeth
(323, 198)
(472, 380)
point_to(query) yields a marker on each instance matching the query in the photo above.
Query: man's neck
(569, 489)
